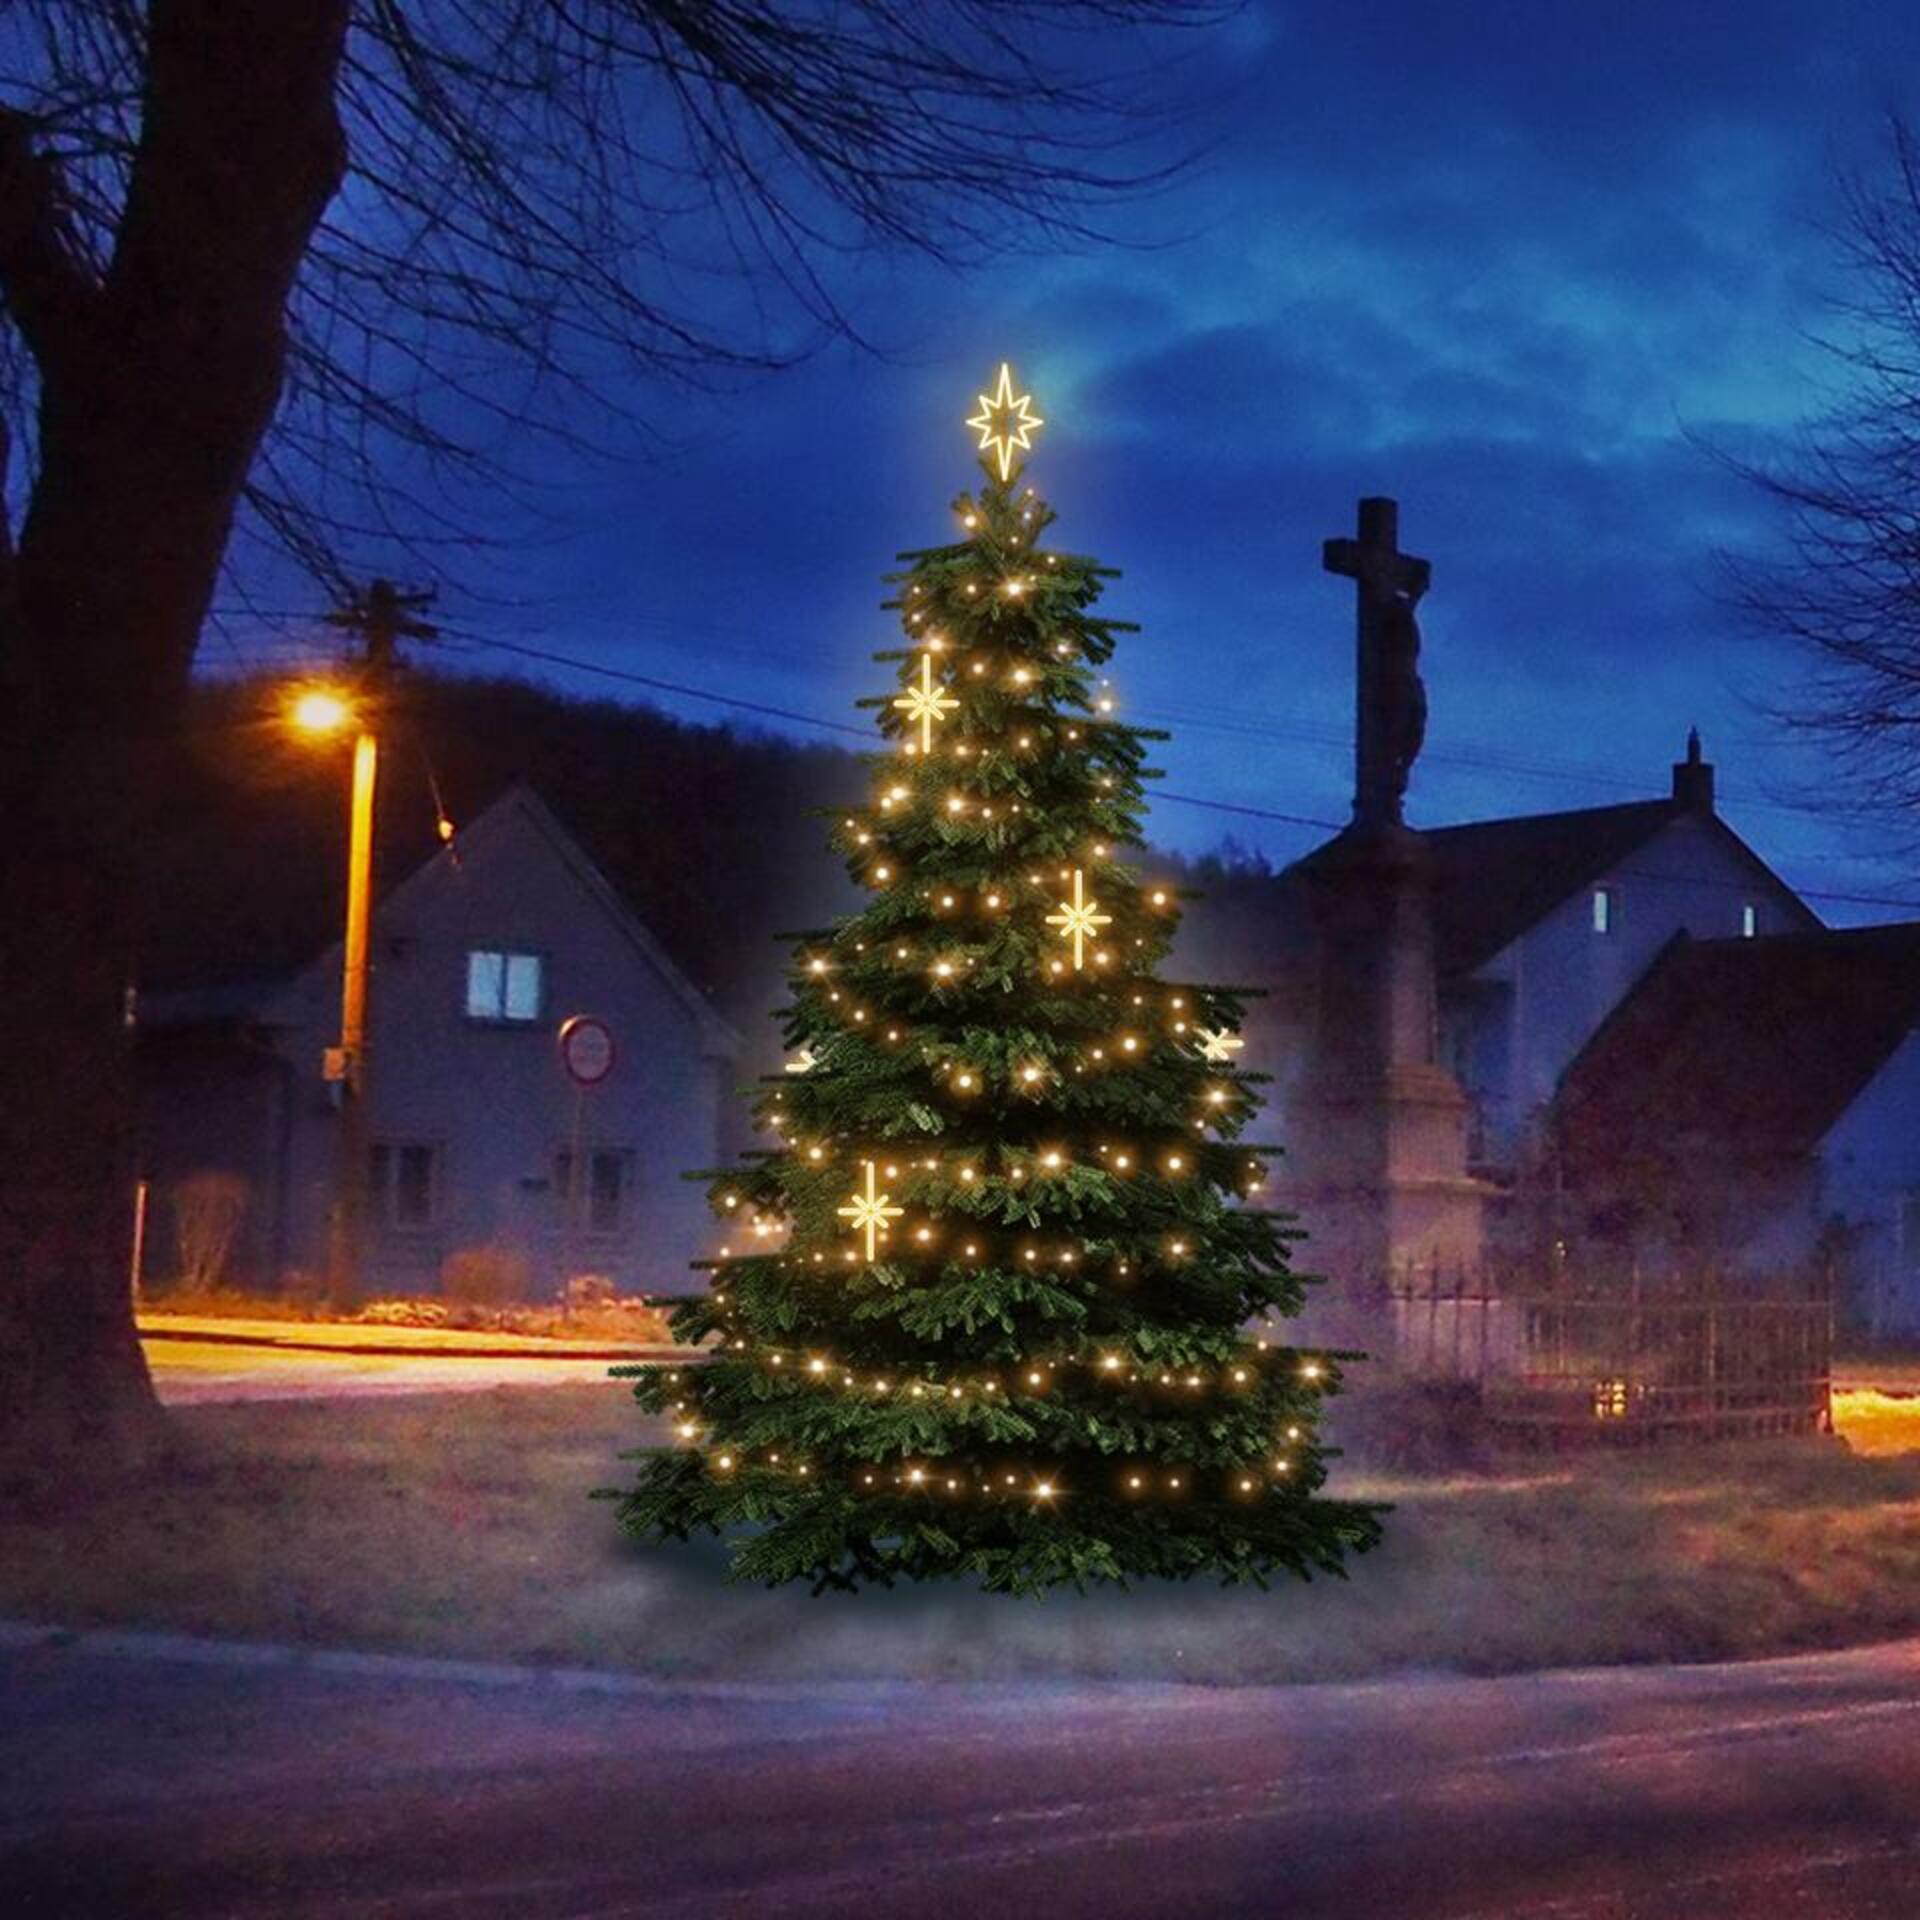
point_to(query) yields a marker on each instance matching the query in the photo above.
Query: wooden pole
(347, 1249)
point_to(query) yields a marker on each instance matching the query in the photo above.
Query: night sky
(1507, 263)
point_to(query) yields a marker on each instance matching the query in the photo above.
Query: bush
(485, 1276)
(304, 1289)
(404, 1313)
(587, 1291)
(207, 1210)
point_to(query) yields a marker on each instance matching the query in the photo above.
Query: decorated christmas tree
(997, 1302)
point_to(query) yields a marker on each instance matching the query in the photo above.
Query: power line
(1257, 813)
(1196, 718)
(668, 686)
(1243, 809)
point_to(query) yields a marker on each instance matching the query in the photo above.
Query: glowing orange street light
(320, 711)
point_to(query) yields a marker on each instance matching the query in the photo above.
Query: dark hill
(714, 836)
(710, 834)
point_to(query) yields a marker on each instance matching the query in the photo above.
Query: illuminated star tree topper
(1006, 423)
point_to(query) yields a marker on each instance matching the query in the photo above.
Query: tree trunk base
(83, 1412)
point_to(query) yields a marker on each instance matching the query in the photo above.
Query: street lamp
(322, 712)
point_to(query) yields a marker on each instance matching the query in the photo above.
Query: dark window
(1910, 1232)
(505, 987)
(401, 1188)
(604, 1204)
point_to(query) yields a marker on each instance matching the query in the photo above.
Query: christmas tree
(984, 1308)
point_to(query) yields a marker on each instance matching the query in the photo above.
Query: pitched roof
(258, 1001)
(521, 802)
(1750, 1049)
(1493, 879)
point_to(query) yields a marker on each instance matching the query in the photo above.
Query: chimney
(1693, 778)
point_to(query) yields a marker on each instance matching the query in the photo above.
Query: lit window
(1749, 921)
(504, 986)
(1606, 909)
(609, 1180)
(401, 1188)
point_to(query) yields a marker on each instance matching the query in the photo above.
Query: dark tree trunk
(158, 377)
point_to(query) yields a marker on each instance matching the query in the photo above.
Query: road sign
(586, 1049)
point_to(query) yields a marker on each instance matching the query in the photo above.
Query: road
(135, 1786)
(200, 1361)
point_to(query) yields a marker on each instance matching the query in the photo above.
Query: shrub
(207, 1210)
(586, 1291)
(488, 1276)
(404, 1313)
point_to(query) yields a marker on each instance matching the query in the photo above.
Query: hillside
(713, 835)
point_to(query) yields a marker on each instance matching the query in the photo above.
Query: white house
(479, 1138)
(1544, 923)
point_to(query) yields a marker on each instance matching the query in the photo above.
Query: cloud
(1497, 262)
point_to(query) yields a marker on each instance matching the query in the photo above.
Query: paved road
(136, 1787)
(202, 1360)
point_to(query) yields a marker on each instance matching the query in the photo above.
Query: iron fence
(1617, 1359)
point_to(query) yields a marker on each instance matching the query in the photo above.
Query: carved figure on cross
(1390, 721)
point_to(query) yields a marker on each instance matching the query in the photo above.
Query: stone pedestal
(1377, 1136)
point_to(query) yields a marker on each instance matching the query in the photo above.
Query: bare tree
(1848, 490)
(256, 257)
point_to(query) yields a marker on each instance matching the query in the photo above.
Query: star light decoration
(927, 703)
(1220, 1044)
(871, 1212)
(1079, 920)
(1006, 421)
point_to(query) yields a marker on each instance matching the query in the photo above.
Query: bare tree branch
(49, 287)
(547, 197)
(1847, 493)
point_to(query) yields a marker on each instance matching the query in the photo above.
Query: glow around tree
(983, 1309)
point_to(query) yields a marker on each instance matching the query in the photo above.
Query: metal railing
(1570, 1358)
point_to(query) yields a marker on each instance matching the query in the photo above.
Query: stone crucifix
(1390, 699)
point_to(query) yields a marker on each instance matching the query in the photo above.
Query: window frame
(383, 1192)
(501, 1017)
(625, 1159)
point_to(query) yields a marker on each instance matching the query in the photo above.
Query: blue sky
(1505, 262)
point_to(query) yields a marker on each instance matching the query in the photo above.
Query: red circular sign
(586, 1049)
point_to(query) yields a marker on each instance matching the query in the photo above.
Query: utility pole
(382, 617)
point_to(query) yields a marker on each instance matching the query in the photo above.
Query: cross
(1385, 579)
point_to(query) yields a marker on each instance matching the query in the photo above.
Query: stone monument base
(1377, 1134)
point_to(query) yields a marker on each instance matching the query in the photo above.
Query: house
(1658, 1041)
(1755, 1104)
(1541, 925)
(1544, 923)
(480, 1143)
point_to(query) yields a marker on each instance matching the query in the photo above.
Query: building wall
(220, 1105)
(1870, 1181)
(1514, 1028)
(492, 1101)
